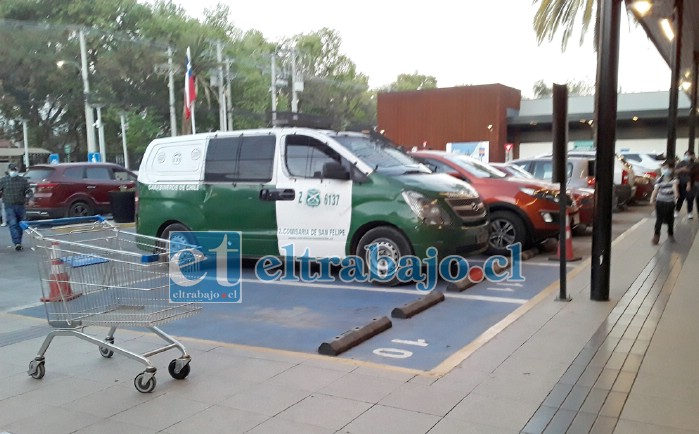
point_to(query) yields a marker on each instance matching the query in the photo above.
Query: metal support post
(605, 142)
(221, 88)
(100, 126)
(273, 89)
(670, 152)
(25, 133)
(693, 107)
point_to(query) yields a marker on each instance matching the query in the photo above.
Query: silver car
(581, 174)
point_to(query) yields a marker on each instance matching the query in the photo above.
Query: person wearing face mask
(664, 196)
(686, 188)
(15, 191)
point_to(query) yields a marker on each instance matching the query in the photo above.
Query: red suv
(75, 189)
(521, 210)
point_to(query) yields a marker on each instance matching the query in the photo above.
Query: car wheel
(506, 228)
(390, 244)
(79, 209)
(178, 240)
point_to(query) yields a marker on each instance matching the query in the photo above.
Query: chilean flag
(190, 90)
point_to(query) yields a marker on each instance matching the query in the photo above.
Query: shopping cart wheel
(184, 371)
(37, 369)
(106, 352)
(142, 384)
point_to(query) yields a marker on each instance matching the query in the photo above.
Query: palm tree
(562, 15)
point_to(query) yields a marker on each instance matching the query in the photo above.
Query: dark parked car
(75, 189)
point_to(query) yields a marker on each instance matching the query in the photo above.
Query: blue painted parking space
(297, 316)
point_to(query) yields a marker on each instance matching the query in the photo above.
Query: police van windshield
(381, 155)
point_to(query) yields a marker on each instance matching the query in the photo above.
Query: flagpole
(191, 112)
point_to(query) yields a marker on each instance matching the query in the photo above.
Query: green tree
(575, 88)
(554, 16)
(413, 81)
(332, 85)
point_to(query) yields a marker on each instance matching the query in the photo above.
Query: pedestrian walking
(15, 192)
(665, 195)
(687, 190)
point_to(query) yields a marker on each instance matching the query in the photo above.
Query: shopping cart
(94, 274)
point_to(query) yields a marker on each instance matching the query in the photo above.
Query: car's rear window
(38, 174)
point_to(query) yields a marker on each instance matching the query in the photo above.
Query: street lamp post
(25, 132)
(89, 113)
(122, 115)
(100, 133)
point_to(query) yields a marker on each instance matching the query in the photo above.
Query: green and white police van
(328, 193)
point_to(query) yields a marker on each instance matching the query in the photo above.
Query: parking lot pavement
(300, 316)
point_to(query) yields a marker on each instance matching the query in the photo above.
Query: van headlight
(427, 210)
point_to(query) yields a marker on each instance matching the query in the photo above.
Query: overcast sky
(467, 42)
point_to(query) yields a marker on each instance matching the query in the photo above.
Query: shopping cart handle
(50, 223)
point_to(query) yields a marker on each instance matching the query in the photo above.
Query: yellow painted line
(455, 359)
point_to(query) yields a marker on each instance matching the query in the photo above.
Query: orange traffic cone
(59, 281)
(570, 256)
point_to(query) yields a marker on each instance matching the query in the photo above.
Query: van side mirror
(334, 170)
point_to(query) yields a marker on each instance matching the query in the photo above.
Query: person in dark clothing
(15, 191)
(664, 196)
(687, 191)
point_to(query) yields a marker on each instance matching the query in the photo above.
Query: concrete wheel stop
(352, 338)
(413, 308)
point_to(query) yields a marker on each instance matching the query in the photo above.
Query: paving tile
(632, 427)
(590, 375)
(208, 388)
(461, 381)
(632, 363)
(218, 419)
(426, 399)
(283, 426)
(558, 394)
(308, 378)
(575, 399)
(594, 401)
(388, 373)
(604, 425)
(663, 411)
(573, 373)
(606, 379)
(111, 401)
(497, 411)
(616, 361)
(582, 423)
(560, 422)
(161, 412)
(52, 420)
(108, 426)
(325, 411)
(639, 347)
(64, 391)
(624, 382)
(586, 354)
(388, 420)
(267, 399)
(614, 404)
(540, 420)
(361, 388)
(455, 426)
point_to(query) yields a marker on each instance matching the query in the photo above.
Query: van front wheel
(381, 248)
